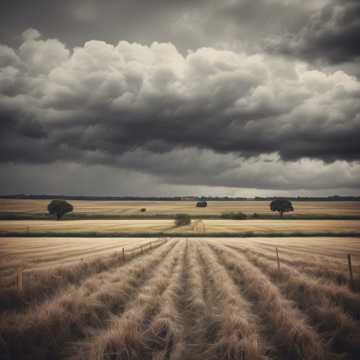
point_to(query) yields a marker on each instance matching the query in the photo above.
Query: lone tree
(281, 205)
(59, 208)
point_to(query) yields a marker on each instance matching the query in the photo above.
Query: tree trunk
(281, 213)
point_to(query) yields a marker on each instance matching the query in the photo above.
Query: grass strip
(179, 234)
(227, 216)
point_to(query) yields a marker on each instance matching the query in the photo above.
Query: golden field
(208, 298)
(163, 225)
(174, 207)
(44, 253)
(188, 299)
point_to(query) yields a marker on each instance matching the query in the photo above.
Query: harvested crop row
(332, 322)
(194, 308)
(39, 286)
(233, 329)
(293, 336)
(314, 269)
(149, 327)
(340, 295)
(43, 331)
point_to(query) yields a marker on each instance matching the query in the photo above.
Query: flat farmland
(191, 299)
(155, 226)
(173, 207)
(44, 253)
(299, 246)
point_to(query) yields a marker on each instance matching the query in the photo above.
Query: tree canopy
(59, 208)
(281, 205)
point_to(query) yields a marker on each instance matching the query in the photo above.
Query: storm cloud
(233, 97)
(96, 102)
(332, 34)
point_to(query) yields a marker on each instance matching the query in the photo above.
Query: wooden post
(123, 254)
(350, 271)
(278, 259)
(19, 279)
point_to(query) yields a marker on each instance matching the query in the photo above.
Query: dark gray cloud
(78, 21)
(314, 29)
(182, 172)
(188, 24)
(332, 34)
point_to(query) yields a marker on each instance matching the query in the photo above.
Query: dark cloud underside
(332, 34)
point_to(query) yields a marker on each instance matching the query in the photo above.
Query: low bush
(182, 219)
(234, 215)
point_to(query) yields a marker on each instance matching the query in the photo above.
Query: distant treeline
(175, 198)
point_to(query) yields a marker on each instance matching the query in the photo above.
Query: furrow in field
(289, 329)
(44, 330)
(150, 327)
(193, 307)
(338, 294)
(325, 311)
(39, 286)
(232, 328)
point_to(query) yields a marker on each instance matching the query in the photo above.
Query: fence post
(242, 355)
(278, 259)
(19, 279)
(350, 271)
(123, 254)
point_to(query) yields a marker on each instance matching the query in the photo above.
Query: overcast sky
(159, 97)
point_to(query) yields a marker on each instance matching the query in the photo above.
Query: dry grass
(175, 207)
(233, 328)
(39, 285)
(290, 331)
(332, 247)
(46, 253)
(156, 226)
(75, 312)
(149, 325)
(193, 299)
(101, 226)
(333, 309)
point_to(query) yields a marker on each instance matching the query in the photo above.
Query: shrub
(234, 215)
(142, 209)
(182, 219)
